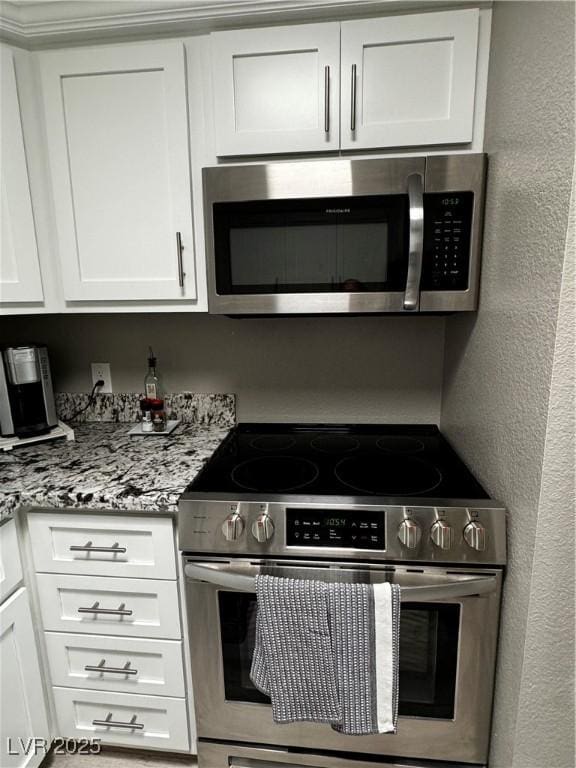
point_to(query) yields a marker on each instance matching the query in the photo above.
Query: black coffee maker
(27, 404)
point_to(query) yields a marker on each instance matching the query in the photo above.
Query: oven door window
(319, 245)
(428, 654)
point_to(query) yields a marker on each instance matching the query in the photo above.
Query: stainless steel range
(361, 503)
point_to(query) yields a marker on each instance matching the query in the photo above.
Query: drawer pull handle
(120, 611)
(118, 723)
(89, 548)
(101, 667)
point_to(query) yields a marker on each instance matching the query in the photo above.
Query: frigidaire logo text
(337, 210)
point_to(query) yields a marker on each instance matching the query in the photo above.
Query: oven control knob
(409, 533)
(441, 534)
(263, 528)
(232, 527)
(475, 536)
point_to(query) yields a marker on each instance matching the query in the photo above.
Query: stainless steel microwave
(345, 236)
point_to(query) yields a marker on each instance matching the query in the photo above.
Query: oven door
(448, 636)
(331, 236)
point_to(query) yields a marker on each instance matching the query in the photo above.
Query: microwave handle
(464, 587)
(415, 242)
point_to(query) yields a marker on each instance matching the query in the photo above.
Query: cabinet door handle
(89, 548)
(179, 249)
(353, 99)
(120, 611)
(118, 723)
(327, 99)
(101, 667)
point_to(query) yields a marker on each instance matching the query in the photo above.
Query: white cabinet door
(23, 710)
(277, 89)
(103, 545)
(117, 126)
(409, 80)
(123, 719)
(20, 279)
(109, 606)
(10, 563)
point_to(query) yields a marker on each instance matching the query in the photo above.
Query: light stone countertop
(105, 468)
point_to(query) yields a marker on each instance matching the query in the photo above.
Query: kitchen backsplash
(190, 407)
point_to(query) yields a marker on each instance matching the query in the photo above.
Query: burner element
(274, 474)
(389, 476)
(400, 444)
(335, 443)
(273, 442)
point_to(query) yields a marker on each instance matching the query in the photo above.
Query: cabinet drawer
(10, 565)
(144, 721)
(136, 607)
(103, 545)
(152, 666)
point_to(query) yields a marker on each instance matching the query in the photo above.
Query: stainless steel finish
(353, 98)
(212, 755)
(179, 249)
(263, 528)
(22, 365)
(101, 667)
(200, 527)
(415, 242)
(343, 178)
(449, 173)
(463, 739)
(475, 536)
(120, 611)
(47, 389)
(108, 722)
(233, 527)
(410, 533)
(326, 99)
(88, 547)
(6, 420)
(458, 587)
(441, 534)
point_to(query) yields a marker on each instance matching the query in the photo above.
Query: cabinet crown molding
(48, 24)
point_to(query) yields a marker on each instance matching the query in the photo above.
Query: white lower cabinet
(113, 644)
(23, 710)
(128, 665)
(109, 606)
(122, 718)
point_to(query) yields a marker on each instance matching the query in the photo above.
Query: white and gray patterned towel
(328, 652)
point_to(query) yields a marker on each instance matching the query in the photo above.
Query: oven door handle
(463, 587)
(415, 242)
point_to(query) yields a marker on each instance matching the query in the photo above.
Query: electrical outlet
(102, 371)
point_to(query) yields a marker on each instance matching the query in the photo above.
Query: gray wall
(499, 363)
(548, 664)
(318, 369)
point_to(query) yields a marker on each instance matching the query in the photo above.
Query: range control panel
(447, 234)
(350, 529)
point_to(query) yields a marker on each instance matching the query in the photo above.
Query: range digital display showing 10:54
(334, 522)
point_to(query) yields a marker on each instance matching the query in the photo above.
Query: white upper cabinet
(117, 128)
(394, 81)
(277, 90)
(409, 80)
(20, 280)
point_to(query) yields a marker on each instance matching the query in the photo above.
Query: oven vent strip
(453, 589)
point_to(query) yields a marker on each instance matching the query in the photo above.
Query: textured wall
(548, 668)
(499, 363)
(318, 369)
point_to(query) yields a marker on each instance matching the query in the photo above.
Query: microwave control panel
(347, 529)
(447, 235)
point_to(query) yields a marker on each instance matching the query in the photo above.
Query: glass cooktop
(344, 460)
